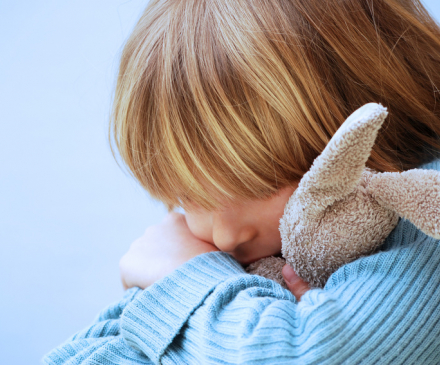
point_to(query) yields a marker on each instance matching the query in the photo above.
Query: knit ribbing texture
(380, 309)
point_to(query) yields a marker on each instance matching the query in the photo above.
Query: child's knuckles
(136, 244)
(149, 230)
(123, 263)
(173, 217)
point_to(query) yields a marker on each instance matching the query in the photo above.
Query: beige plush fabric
(413, 194)
(342, 210)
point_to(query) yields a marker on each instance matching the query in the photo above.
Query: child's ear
(413, 194)
(336, 172)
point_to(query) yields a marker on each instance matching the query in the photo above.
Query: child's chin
(246, 263)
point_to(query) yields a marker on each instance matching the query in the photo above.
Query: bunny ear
(336, 172)
(413, 194)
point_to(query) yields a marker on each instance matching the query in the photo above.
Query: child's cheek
(200, 226)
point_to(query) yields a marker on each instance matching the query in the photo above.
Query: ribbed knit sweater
(380, 309)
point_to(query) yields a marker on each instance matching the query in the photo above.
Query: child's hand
(294, 283)
(161, 249)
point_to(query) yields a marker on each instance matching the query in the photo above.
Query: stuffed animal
(343, 210)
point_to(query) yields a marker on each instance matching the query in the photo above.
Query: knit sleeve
(384, 308)
(101, 342)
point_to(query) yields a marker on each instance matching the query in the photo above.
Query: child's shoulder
(433, 165)
(406, 233)
(405, 253)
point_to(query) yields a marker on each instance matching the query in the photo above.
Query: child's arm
(162, 249)
(384, 308)
(171, 244)
(101, 343)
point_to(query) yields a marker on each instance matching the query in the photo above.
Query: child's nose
(229, 232)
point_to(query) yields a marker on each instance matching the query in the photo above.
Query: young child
(221, 106)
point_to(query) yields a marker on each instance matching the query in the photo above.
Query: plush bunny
(343, 210)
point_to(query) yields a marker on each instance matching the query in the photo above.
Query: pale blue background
(67, 212)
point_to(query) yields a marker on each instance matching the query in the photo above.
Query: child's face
(247, 231)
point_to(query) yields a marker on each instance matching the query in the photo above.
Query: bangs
(219, 102)
(204, 127)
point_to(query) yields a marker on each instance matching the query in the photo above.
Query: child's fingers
(295, 284)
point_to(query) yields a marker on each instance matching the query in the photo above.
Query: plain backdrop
(67, 211)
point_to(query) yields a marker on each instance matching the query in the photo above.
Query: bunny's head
(343, 210)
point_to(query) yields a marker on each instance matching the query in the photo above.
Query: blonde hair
(225, 100)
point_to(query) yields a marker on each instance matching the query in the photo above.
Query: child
(221, 106)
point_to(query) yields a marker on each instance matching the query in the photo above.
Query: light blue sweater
(380, 309)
